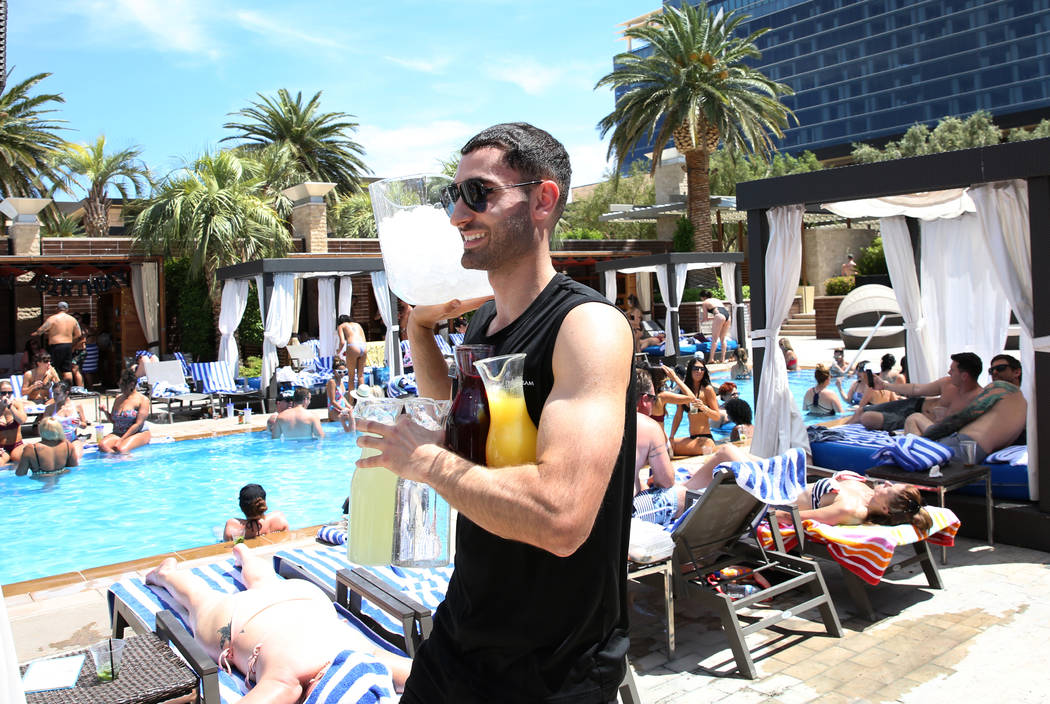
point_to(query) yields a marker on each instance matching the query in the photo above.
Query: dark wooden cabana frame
(668, 261)
(960, 169)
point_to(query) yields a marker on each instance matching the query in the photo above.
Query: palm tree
(320, 142)
(3, 44)
(90, 167)
(693, 87)
(28, 140)
(213, 214)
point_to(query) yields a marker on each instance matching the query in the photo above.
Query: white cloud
(588, 162)
(433, 65)
(416, 149)
(526, 73)
(281, 30)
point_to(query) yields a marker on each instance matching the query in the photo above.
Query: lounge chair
(300, 355)
(396, 603)
(865, 552)
(146, 608)
(709, 537)
(217, 380)
(166, 381)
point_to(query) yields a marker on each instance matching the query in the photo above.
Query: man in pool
(295, 422)
(282, 634)
(536, 609)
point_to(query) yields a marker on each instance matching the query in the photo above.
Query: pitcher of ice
(422, 517)
(512, 434)
(421, 249)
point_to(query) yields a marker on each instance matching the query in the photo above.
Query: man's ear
(546, 201)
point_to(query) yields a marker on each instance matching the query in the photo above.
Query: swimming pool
(164, 497)
(799, 382)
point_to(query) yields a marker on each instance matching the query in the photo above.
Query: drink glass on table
(373, 491)
(107, 655)
(968, 452)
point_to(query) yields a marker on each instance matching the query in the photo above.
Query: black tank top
(519, 623)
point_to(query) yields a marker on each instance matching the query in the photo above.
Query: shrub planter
(825, 310)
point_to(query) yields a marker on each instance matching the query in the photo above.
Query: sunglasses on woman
(474, 193)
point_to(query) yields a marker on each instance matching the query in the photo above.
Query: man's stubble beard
(512, 239)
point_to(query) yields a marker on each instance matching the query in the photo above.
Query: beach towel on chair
(354, 677)
(332, 535)
(913, 453)
(776, 480)
(852, 433)
(867, 550)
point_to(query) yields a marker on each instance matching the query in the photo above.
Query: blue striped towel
(913, 453)
(354, 677)
(854, 434)
(776, 480)
(1015, 455)
(333, 535)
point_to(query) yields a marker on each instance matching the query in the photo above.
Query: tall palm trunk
(3, 45)
(96, 212)
(698, 206)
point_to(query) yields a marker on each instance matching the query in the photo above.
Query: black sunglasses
(648, 397)
(7, 393)
(473, 192)
(999, 368)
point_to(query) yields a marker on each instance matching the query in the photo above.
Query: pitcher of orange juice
(512, 435)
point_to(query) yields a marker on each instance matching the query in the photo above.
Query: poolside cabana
(670, 270)
(936, 266)
(276, 280)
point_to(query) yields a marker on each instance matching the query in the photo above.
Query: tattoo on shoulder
(224, 636)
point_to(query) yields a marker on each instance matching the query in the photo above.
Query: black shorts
(78, 357)
(62, 357)
(894, 413)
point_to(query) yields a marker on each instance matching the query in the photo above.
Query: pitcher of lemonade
(512, 435)
(373, 494)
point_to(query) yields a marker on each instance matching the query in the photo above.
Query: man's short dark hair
(968, 362)
(888, 360)
(344, 318)
(530, 151)
(643, 382)
(301, 395)
(1014, 363)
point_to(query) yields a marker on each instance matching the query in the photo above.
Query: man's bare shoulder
(649, 430)
(592, 340)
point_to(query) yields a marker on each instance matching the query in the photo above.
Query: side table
(150, 673)
(953, 476)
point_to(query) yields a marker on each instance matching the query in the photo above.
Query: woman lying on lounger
(844, 499)
(282, 634)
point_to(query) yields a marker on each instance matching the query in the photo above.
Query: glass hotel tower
(867, 70)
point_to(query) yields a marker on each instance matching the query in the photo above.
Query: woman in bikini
(633, 312)
(820, 400)
(843, 499)
(68, 414)
(12, 416)
(718, 313)
(698, 396)
(128, 416)
(54, 454)
(282, 634)
(352, 347)
(861, 394)
(256, 520)
(790, 358)
(339, 408)
(36, 383)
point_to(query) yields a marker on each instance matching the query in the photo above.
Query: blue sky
(420, 77)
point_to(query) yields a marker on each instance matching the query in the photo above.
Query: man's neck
(517, 285)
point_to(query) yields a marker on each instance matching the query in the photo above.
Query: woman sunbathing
(282, 634)
(844, 499)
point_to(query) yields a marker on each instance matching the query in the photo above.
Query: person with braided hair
(256, 520)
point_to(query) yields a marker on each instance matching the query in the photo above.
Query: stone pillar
(309, 219)
(24, 232)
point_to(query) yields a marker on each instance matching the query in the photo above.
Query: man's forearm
(430, 367)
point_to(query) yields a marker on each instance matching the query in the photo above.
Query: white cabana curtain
(900, 260)
(609, 283)
(729, 286)
(279, 322)
(393, 338)
(645, 292)
(326, 316)
(962, 302)
(145, 287)
(346, 290)
(778, 422)
(672, 299)
(234, 301)
(1002, 209)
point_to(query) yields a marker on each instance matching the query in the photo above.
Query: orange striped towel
(867, 550)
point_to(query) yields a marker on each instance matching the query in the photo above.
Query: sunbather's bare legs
(719, 332)
(916, 423)
(725, 453)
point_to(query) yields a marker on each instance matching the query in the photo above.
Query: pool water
(165, 497)
(799, 382)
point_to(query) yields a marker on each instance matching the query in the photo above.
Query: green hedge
(191, 323)
(872, 259)
(839, 285)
